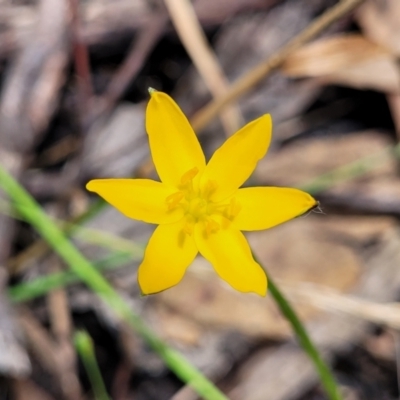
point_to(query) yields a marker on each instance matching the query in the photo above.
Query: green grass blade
(42, 285)
(29, 209)
(84, 346)
(327, 379)
(349, 171)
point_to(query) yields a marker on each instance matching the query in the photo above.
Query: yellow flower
(199, 207)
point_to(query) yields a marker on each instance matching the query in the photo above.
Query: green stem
(44, 284)
(84, 346)
(327, 379)
(29, 209)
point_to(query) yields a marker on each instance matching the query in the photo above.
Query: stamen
(188, 228)
(212, 226)
(189, 175)
(174, 199)
(233, 208)
(209, 188)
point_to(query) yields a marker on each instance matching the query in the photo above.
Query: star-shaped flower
(199, 206)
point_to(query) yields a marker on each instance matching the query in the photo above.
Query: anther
(211, 226)
(234, 207)
(174, 199)
(189, 175)
(188, 227)
(209, 188)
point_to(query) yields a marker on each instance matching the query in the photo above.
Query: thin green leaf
(32, 212)
(84, 345)
(327, 379)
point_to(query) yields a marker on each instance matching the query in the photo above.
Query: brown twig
(30, 93)
(329, 299)
(259, 72)
(61, 325)
(104, 23)
(46, 352)
(81, 60)
(140, 49)
(204, 59)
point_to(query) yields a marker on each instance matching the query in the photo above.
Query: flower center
(198, 205)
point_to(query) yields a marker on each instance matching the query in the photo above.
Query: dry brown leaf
(304, 250)
(358, 229)
(377, 196)
(116, 145)
(379, 74)
(331, 54)
(373, 190)
(382, 346)
(350, 60)
(28, 389)
(304, 160)
(205, 299)
(380, 22)
(284, 372)
(176, 327)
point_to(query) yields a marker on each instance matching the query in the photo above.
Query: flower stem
(33, 213)
(327, 379)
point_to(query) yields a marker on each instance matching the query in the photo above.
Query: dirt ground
(74, 87)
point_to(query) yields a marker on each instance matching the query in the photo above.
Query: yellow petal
(174, 146)
(230, 255)
(141, 199)
(232, 164)
(265, 207)
(169, 252)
